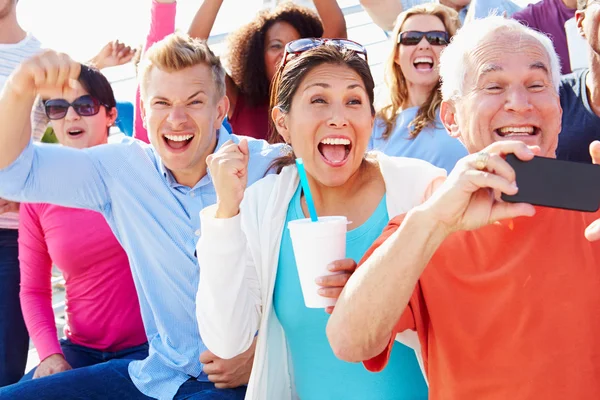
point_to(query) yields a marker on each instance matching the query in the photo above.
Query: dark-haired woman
(102, 310)
(323, 109)
(255, 50)
(408, 125)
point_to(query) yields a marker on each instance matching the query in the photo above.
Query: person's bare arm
(113, 54)
(376, 295)
(204, 19)
(334, 23)
(388, 277)
(383, 12)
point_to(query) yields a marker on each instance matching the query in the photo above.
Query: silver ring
(481, 160)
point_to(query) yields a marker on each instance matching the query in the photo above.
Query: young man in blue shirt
(151, 196)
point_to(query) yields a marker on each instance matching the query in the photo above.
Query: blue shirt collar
(222, 137)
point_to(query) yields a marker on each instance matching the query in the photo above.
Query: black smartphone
(556, 183)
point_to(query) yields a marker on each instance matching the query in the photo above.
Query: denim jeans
(106, 381)
(14, 340)
(80, 356)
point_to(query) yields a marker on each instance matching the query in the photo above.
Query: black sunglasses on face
(413, 38)
(299, 46)
(84, 106)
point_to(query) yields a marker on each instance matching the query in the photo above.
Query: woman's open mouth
(335, 150)
(423, 64)
(75, 132)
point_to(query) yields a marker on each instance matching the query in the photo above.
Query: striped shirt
(155, 219)
(11, 55)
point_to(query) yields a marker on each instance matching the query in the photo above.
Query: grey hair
(455, 58)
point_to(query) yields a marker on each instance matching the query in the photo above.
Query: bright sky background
(81, 27)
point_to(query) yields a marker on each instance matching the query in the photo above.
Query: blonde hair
(396, 82)
(176, 52)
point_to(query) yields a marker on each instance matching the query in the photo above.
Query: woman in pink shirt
(102, 309)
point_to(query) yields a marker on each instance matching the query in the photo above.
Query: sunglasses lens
(56, 109)
(302, 45)
(86, 106)
(437, 38)
(411, 38)
(353, 46)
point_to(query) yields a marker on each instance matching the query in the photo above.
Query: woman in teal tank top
(323, 109)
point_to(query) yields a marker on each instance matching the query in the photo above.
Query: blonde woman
(408, 124)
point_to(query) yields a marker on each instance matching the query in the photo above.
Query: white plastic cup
(316, 245)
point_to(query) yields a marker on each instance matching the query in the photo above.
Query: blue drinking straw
(306, 189)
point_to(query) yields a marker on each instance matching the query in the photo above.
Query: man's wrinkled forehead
(501, 48)
(198, 78)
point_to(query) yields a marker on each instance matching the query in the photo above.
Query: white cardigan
(239, 259)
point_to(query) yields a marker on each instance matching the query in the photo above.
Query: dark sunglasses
(413, 38)
(84, 106)
(299, 46)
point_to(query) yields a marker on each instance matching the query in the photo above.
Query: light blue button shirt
(482, 7)
(157, 222)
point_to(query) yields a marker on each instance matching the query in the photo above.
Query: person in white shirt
(16, 45)
(323, 109)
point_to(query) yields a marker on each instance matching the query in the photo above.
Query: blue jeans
(106, 381)
(80, 356)
(14, 339)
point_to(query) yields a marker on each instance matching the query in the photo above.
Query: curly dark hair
(247, 47)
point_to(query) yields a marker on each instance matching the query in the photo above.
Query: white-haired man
(501, 297)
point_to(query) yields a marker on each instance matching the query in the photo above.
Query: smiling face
(182, 112)
(329, 123)
(506, 98)
(419, 63)
(82, 132)
(277, 36)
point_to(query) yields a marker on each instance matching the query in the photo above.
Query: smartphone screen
(556, 183)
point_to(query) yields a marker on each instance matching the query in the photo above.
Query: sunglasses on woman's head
(84, 106)
(413, 38)
(299, 46)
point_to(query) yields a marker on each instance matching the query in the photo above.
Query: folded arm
(228, 304)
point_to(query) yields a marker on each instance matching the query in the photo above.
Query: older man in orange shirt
(499, 299)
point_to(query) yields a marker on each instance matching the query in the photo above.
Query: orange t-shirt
(510, 311)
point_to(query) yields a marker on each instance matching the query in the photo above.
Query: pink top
(162, 23)
(102, 306)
